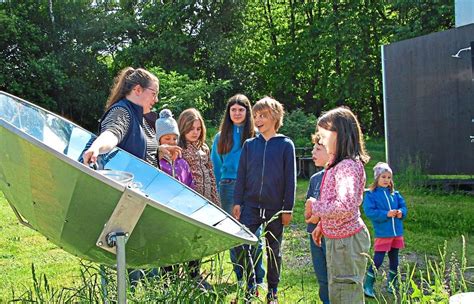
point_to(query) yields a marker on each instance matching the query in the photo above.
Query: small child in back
(318, 253)
(386, 208)
(167, 133)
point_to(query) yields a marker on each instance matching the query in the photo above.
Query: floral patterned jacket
(202, 171)
(340, 198)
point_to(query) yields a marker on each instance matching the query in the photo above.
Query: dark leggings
(392, 258)
(253, 218)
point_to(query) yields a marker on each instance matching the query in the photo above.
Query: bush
(179, 92)
(299, 126)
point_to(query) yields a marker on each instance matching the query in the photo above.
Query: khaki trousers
(347, 262)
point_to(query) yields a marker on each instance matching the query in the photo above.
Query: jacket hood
(382, 189)
(277, 136)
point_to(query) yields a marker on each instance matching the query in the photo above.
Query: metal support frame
(116, 232)
(124, 217)
(20, 218)
(118, 240)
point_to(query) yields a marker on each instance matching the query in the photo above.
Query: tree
(51, 57)
(310, 55)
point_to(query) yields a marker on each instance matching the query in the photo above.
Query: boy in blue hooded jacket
(265, 190)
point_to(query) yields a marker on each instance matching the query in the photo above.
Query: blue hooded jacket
(266, 176)
(225, 166)
(376, 205)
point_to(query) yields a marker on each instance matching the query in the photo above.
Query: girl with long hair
(196, 152)
(236, 127)
(342, 188)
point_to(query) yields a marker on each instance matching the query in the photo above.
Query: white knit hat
(380, 168)
(166, 124)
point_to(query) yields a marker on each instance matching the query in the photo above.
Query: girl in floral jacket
(196, 153)
(342, 187)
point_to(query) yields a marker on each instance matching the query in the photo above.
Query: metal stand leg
(117, 239)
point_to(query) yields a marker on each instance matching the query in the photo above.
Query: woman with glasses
(132, 95)
(123, 125)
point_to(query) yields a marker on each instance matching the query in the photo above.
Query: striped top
(117, 121)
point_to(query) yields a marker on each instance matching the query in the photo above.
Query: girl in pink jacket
(167, 133)
(342, 188)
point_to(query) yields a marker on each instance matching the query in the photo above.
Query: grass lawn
(433, 219)
(20, 247)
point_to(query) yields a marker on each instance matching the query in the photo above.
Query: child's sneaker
(272, 297)
(251, 294)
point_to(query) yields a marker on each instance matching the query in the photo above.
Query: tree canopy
(310, 55)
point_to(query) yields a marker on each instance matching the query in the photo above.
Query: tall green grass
(432, 283)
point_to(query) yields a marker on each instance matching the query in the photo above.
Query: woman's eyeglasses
(155, 92)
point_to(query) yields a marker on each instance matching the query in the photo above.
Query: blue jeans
(318, 255)
(226, 192)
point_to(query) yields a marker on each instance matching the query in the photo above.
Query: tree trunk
(337, 52)
(271, 27)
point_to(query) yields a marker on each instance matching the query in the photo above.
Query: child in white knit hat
(167, 133)
(386, 208)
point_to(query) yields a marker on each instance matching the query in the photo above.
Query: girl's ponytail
(126, 80)
(117, 90)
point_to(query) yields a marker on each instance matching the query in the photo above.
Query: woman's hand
(90, 156)
(236, 212)
(317, 234)
(102, 144)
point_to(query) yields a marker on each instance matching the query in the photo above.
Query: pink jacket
(178, 169)
(341, 195)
